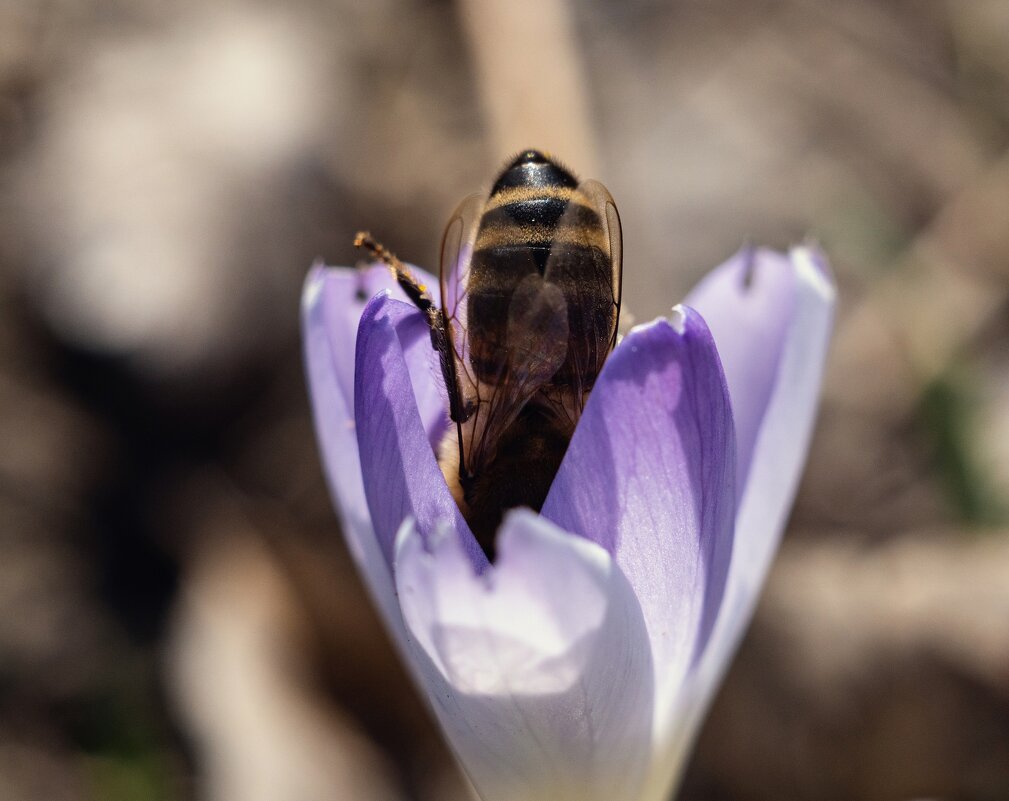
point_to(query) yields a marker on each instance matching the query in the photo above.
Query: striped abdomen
(537, 221)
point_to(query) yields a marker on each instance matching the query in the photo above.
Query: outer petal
(401, 474)
(332, 303)
(781, 417)
(649, 475)
(743, 323)
(539, 669)
(748, 305)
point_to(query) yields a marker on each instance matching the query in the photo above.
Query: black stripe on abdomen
(532, 173)
(543, 211)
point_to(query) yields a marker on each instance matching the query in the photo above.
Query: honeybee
(530, 286)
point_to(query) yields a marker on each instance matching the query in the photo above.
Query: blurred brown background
(178, 616)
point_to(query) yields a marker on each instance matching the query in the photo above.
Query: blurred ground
(179, 616)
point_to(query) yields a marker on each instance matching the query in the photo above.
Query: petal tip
(376, 307)
(312, 288)
(812, 267)
(683, 323)
(518, 522)
(513, 530)
(678, 319)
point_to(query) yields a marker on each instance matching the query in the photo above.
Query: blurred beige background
(178, 616)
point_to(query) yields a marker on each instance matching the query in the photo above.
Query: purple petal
(788, 307)
(784, 423)
(401, 474)
(332, 303)
(331, 310)
(748, 304)
(649, 476)
(338, 296)
(539, 669)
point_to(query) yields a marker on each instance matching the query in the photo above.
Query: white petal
(539, 669)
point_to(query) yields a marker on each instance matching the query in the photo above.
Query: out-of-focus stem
(531, 79)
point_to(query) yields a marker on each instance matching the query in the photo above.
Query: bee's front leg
(440, 341)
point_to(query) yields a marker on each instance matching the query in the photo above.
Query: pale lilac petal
(333, 301)
(539, 669)
(779, 452)
(338, 295)
(331, 310)
(748, 304)
(398, 465)
(787, 412)
(649, 476)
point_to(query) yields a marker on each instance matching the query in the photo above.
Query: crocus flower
(579, 664)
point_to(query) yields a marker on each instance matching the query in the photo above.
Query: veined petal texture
(776, 310)
(771, 315)
(649, 476)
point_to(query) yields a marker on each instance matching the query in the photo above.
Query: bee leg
(418, 295)
(415, 291)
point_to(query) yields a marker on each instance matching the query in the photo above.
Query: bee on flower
(566, 536)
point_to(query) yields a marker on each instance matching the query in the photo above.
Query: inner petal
(401, 474)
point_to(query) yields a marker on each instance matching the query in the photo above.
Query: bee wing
(536, 345)
(585, 262)
(456, 254)
(522, 343)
